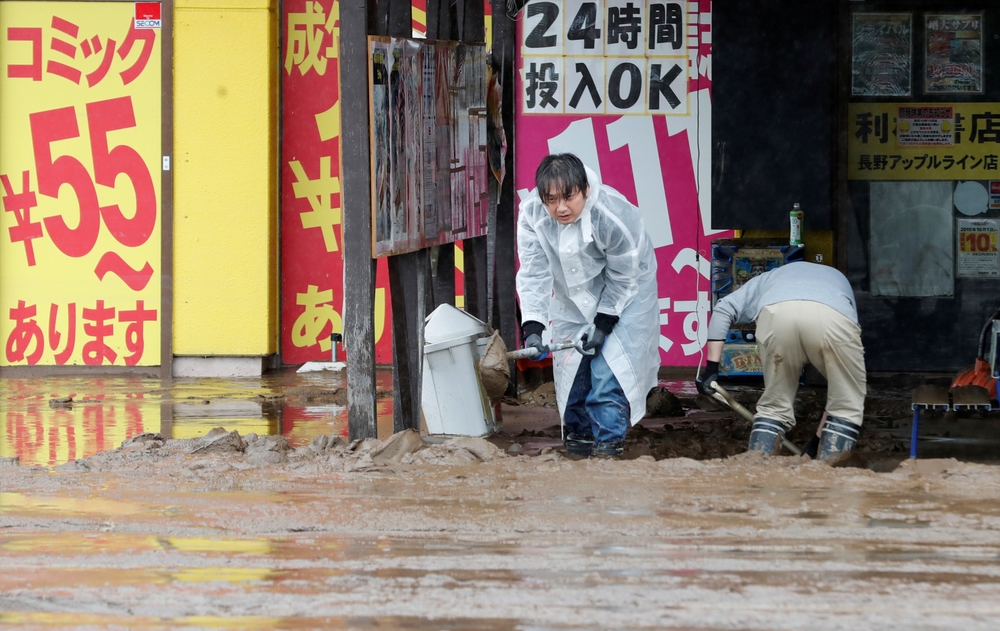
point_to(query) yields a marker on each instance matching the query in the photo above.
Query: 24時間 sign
(604, 57)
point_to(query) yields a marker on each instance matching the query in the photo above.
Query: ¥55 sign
(80, 117)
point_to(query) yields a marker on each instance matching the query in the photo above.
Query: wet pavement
(250, 531)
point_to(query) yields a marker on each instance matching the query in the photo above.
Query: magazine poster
(881, 53)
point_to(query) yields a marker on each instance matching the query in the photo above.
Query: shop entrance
(919, 178)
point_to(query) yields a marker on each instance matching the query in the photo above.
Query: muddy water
(51, 421)
(165, 538)
(286, 526)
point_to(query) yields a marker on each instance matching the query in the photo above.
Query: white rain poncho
(603, 262)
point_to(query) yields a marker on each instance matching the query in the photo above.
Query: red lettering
(33, 70)
(134, 340)
(96, 351)
(25, 332)
(46, 128)
(104, 117)
(21, 204)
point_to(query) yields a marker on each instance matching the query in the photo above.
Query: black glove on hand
(533, 337)
(603, 325)
(595, 341)
(535, 341)
(708, 375)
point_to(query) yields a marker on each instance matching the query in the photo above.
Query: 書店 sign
(923, 141)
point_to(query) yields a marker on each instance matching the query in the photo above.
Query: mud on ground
(227, 531)
(234, 532)
(690, 425)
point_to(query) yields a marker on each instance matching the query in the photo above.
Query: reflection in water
(53, 420)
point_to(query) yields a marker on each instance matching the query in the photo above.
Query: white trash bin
(453, 401)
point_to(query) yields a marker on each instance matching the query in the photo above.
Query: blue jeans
(597, 405)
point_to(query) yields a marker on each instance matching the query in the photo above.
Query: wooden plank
(356, 21)
(402, 386)
(504, 43)
(443, 280)
(433, 8)
(475, 277)
(407, 279)
(407, 285)
(470, 17)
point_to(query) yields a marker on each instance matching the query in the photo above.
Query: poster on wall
(881, 54)
(954, 59)
(312, 263)
(978, 252)
(428, 102)
(925, 126)
(658, 158)
(80, 169)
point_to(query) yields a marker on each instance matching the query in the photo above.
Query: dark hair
(562, 171)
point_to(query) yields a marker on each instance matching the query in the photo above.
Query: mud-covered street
(271, 525)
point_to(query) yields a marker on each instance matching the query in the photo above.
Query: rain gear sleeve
(602, 263)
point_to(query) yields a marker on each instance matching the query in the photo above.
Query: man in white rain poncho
(586, 260)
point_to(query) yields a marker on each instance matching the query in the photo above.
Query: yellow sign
(923, 141)
(80, 166)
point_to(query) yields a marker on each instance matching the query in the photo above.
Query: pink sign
(660, 162)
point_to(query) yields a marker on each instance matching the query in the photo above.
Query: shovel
(493, 368)
(723, 395)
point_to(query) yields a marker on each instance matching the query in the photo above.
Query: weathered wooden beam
(473, 23)
(443, 279)
(504, 43)
(356, 21)
(476, 272)
(443, 257)
(407, 284)
(473, 32)
(407, 278)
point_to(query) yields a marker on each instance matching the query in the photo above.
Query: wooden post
(504, 43)
(407, 278)
(408, 286)
(470, 16)
(444, 275)
(443, 281)
(356, 21)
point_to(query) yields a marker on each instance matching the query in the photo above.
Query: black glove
(709, 374)
(594, 341)
(533, 338)
(535, 341)
(603, 325)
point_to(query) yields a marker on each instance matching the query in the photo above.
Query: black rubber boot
(766, 435)
(578, 445)
(608, 450)
(839, 437)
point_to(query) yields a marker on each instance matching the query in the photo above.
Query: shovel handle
(531, 352)
(723, 395)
